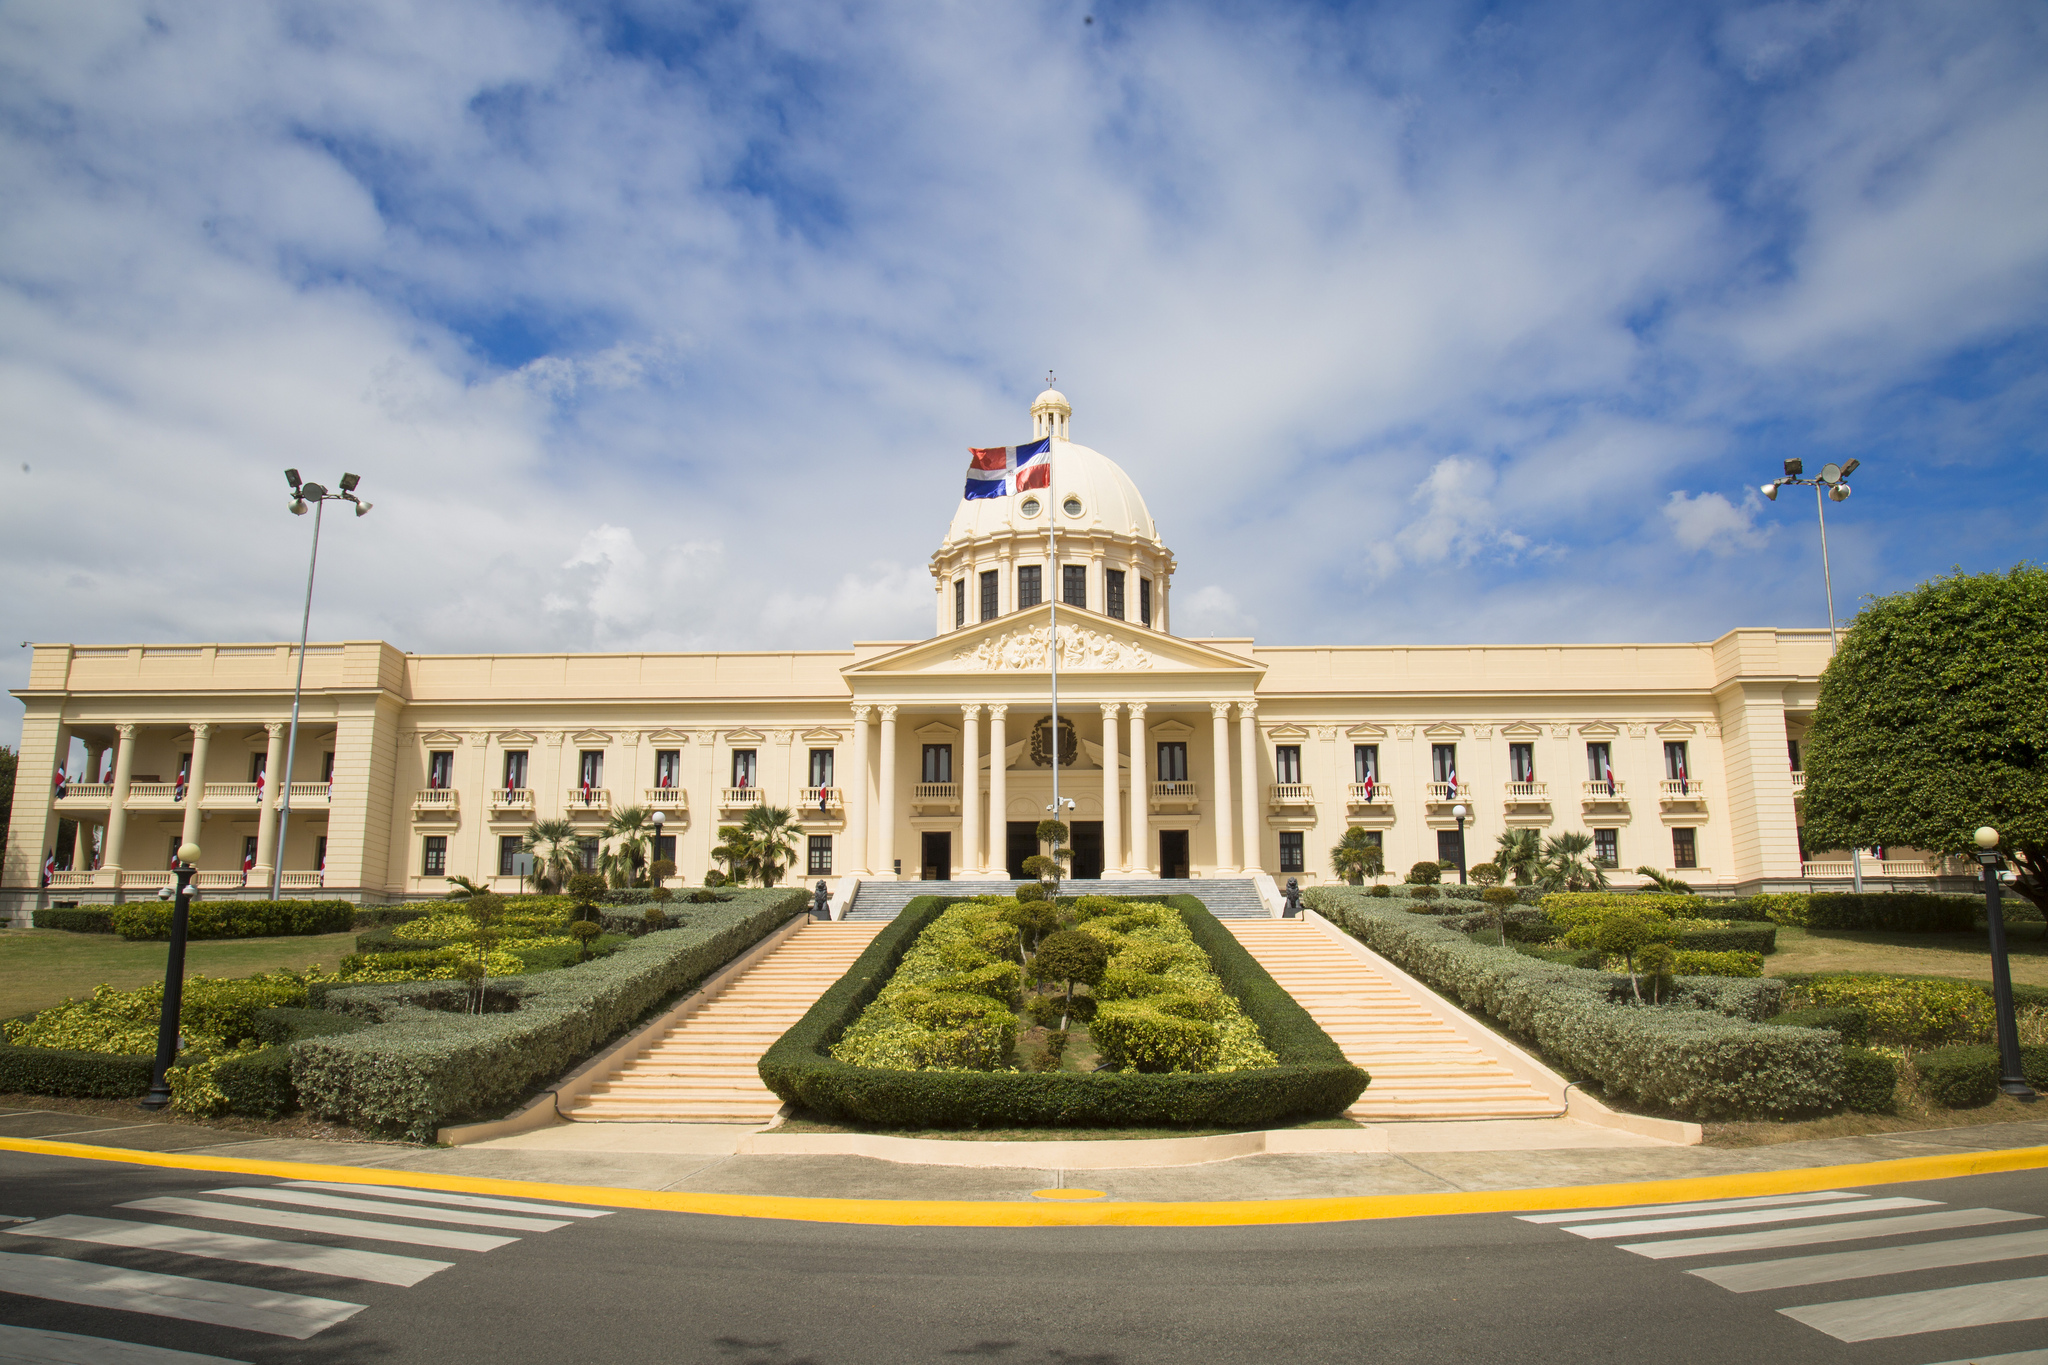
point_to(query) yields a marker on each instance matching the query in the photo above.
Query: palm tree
(1566, 867)
(630, 828)
(1358, 855)
(1664, 883)
(773, 835)
(557, 853)
(735, 851)
(1518, 853)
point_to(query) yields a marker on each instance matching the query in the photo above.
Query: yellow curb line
(975, 1213)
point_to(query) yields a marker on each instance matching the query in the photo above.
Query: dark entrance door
(1022, 843)
(938, 855)
(1173, 853)
(1087, 850)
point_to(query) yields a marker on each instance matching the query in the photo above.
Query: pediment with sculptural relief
(1088, 643)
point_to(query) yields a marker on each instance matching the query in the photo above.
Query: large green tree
(1933, 720)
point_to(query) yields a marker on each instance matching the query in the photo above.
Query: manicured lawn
(1964, 955)
(40, 967)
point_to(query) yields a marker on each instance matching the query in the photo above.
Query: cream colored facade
(397, 751)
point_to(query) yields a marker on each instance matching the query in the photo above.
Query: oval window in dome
(1029, 507)
(1072, 507)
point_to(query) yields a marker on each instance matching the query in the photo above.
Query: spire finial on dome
(1050, 411)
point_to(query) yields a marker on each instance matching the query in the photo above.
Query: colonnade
(872, 796)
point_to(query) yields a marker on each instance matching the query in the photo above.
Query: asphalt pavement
(112, 1262)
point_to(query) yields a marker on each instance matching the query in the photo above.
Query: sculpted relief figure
(1080, 649)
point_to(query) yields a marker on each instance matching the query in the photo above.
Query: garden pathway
(704, 1070)
(1422, 1067)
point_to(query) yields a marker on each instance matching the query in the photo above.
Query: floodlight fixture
(349, 482)
(298, 506)
(1830, 473)
(291, 476)
(1839, 493)
(362, 508)
(1794, 468)
(1770, 490)
(1851, 468)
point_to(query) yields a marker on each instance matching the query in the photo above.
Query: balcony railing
(1602, 791)
(740, 798)
(819, 802)
(941, 795)
(70, 880)
(1798, 783)
(218, 881)
(588, 800)
(1876, 867)
(301, 881)
(147, 881)
(1444, 793)
(435, 801)
(84, 792)
(310, 793)
(233, 793)
(1528, 793)
(1172, 798)
(152, 793)
(1284, 794)
(512, 800)
(666, 798)
(1673, 789)
(1368, 794)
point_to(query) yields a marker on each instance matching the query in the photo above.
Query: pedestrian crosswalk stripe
(277, 1195)
(1761, 1201)
(172, 1296)
(467, 1201)
(1927, 1310)
(1869, 1262)
(447, 1238)
(1827, 1232)
(40, 1346)
(378, 1267)
(1742, 1217)
(2016, 1358)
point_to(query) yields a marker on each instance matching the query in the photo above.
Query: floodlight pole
(291, 746)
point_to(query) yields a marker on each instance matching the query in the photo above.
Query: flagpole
(1052, 570)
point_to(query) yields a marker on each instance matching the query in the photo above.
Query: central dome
(1108, 502)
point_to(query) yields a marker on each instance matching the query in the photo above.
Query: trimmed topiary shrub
(1910, 1013)
(1965, 1077)
(1425, 874)
(1708, 937)
(1895, 911)
(1382, 891)
(1870, 1080)
(236, 919)
(1851, 1023)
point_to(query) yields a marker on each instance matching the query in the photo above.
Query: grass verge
(43, 967)
(1856, 950)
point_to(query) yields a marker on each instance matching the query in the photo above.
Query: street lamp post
(159, 1093)
(2012, 1077)
(1834, 482)
(654, 852)
(316, 494)
(1461, 812)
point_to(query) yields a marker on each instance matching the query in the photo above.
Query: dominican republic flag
(586, 791)
(510, 786)
(248, 866)
(1370, 785)
(62, 782)
(1609, 769)
(1451, 788)
(1681, 772)
(997, 471)
(50, 868)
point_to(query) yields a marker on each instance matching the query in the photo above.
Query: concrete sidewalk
(701, 1159)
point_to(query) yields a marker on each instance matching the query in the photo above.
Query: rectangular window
(508, 855)
(821, 768)
(819, 862)
(1443, 762)
(1377, 839)
(959, 602)
(988, 595)
(1030, 587)
(1599, 762)
(1792, 747)
(1685, 851)
(743, 773)
(1450, 847)
(1113, 592)
(1290, 851)
(1521, 763)
(327, 767)
(1145, 601)
(441, 769)
(590, 768)
(1173, 761)
(1607, 847)
(668, 767)
(433, 855)
(664, 847)
(515, 770)
(1365, 763)
(256, 762)
(938, 763)
(589, 845)
(1074, 585)
(320, 853)
(1674, 762)
(1287, 763)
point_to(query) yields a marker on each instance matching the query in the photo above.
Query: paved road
(132, 1265)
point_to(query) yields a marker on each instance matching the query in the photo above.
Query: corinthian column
(117, 804)
(195, 784)
(1248, 778)
(970, 791)
(857, 791)
(1141, 794)
(885, 818)
(1219, 797)
(998, 792)
(266, 811)
(1112, 805)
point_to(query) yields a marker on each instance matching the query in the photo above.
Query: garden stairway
(705, 1069)
(1226, 897)
(1427, 1060)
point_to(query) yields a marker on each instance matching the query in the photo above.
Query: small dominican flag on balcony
(61, 783)
(248, 866)
(1609, 769)
(997, 471)
(50, 868)
(1451, 787)
(1370, 784)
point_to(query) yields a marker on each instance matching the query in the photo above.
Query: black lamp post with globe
(2012, 1078)
(159, 1093)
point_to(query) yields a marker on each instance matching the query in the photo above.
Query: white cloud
(1708, 521)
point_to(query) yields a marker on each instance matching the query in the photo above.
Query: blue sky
(666, 326)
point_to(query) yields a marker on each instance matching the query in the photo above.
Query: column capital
(888, 714)
(1111, 709)
(971, 711)
(125, 731)
(1138, 709)
(1219, 710)
(273, 728)
(998, 712)
(860, 713)
(1247, 709)
(201, 730)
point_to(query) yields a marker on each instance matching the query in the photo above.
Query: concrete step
(1226, 897)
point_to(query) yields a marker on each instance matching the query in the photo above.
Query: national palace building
(928, 759)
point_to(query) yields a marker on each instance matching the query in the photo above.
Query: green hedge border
(1313, 1081)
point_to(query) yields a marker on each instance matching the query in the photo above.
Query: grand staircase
(1226, 897)
(1421, 1067)
(704, 1069)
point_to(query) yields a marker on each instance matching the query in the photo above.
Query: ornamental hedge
(1965, 1077)
(1900, 912)
(236, 919)
(77, 920)
(1703, 1054)
(1312, 1081)
(424, 1065)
